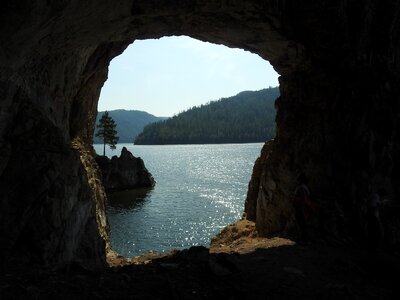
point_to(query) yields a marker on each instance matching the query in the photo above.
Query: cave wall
(337, 117)
(337, 121)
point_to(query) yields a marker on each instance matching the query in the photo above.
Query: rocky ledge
(124, 172)
(239, 265)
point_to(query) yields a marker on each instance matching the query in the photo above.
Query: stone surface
(124, 172)
(260, 268)
(337, 116)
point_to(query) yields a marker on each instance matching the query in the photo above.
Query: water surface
(199, 190)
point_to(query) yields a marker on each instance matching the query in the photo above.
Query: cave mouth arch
(53, 73)
(224, 72)
(339, 67)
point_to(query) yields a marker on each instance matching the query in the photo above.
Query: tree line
(244, 118)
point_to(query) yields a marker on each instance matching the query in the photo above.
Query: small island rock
(124, 172)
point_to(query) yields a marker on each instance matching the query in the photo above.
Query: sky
(169, 75)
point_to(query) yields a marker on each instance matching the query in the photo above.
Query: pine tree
(107, 132)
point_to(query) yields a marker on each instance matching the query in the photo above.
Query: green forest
(247, 117)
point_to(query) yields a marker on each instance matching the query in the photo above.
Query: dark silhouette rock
(124, 172)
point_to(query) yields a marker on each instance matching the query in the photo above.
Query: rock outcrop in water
(124, 172)
(337, 116)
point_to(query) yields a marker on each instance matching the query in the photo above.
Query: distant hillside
(247, 117)
(129, 123)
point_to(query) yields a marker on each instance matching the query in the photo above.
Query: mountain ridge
(246, 117)
(129, 123)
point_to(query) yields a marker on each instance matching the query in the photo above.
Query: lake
(199, 190)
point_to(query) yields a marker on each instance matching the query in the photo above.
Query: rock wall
(48, 210)
(337, 119)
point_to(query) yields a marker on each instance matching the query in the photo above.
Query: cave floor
(247, 268)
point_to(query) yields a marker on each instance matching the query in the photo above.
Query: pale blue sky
(171, 74)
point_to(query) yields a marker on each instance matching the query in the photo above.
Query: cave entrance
(201, 186)
(336, 120)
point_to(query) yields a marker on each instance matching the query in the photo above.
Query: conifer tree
(107, 132)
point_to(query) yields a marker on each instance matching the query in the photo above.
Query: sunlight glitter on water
(199, 190)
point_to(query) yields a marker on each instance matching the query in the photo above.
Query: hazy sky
(172, 74)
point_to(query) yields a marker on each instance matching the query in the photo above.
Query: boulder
(124, 172)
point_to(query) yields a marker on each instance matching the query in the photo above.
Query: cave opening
(55, 89)
(337, 116)
(201, 184)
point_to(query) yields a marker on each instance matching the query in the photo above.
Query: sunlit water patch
(199, 190)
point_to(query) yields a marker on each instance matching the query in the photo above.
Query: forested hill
(129, 123)
(247, 117)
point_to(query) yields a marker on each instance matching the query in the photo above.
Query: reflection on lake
(130, 199)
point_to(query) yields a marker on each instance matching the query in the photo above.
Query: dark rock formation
(124, 172)
(264, 269)
(337, 116)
